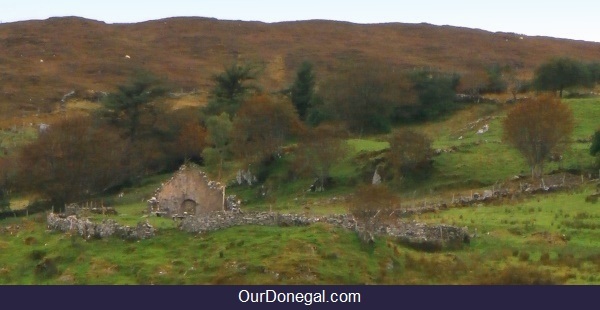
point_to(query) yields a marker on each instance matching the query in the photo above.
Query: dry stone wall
(91, 230)
(417, 235)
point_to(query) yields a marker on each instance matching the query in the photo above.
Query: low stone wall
(553, 183)
(90, 230)
(85, 209)
(222, 220)
(417, 235)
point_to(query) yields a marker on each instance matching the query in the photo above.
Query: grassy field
(542, 239)
(549, 239)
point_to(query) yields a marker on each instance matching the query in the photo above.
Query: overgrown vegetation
(410, 155)
(538, 127)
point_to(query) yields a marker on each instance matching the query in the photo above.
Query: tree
(218, 136)
(134, 109)
(435, 92)
(496, 83)
(231, 88)
(594, 71)
(561, 73)
(191, 140)
(515, 84)
(303, 89)
(133, 103)
(537, 128)
(410, 154)
(73, 160)
(262, 126)
(363, 96)
(319, 149)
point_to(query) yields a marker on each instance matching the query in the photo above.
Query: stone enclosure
(417, 235)
(199, 205)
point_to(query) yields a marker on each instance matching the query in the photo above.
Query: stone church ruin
(201, 206)
(188, 192)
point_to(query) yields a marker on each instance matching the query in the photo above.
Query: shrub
(545, 258)
(371, 207)
(410, 154)
(537, 128)
(524, 256)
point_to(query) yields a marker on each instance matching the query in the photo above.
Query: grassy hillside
(477, 162)
(541, 239)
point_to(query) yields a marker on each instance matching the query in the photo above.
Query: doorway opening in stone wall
(188, 206)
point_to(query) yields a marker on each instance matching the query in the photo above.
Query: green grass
(561, 224)
(511, 241)
(12, 139)
(317, 254)
(587, 114)
(362, 145)
(483, 160)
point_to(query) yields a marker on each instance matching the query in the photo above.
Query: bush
(46, 269)
(410, 155)
(545, 258)
(537, 128)
(371, 207)
(524, 256)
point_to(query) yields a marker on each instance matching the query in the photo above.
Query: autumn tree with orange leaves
(538, 127)
(261, 127)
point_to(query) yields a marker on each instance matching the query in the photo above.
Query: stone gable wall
(192, 185)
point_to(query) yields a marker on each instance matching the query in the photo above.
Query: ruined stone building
(190, 192)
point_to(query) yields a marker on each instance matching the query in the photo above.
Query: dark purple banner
(284, 297)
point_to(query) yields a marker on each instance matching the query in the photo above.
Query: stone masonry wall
(90, 230)
(417, 235)
(192, 185)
